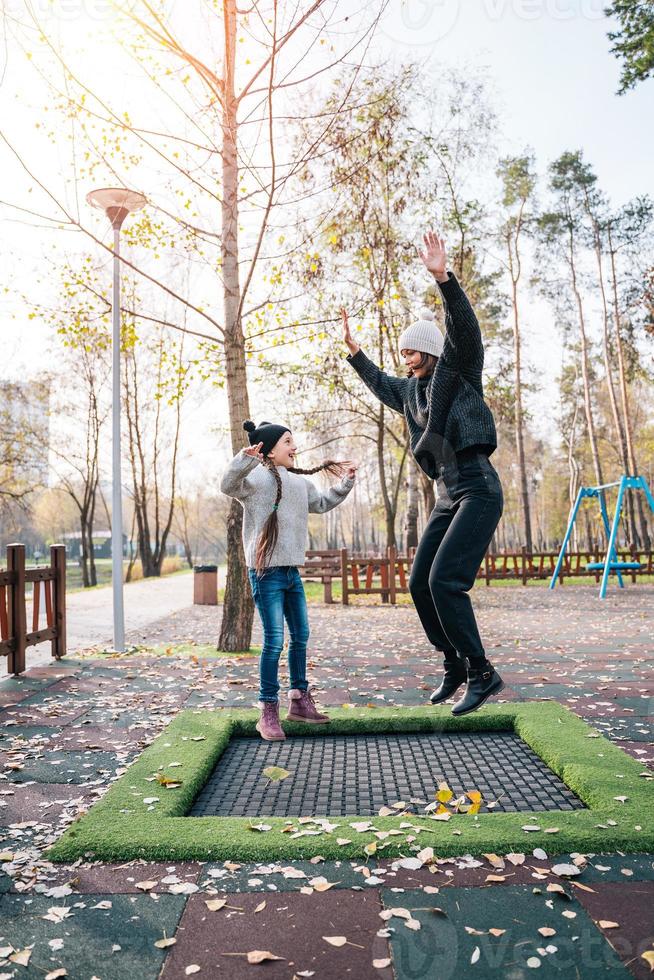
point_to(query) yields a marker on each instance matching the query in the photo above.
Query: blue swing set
(611, 563)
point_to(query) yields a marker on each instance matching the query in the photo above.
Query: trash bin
(205, 585)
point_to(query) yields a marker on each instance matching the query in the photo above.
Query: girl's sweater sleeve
(321, 501)
(236, 480)
(389, 390)
(464, 347)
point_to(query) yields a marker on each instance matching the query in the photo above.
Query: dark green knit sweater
(446, 412)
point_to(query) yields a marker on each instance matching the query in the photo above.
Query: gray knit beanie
(423, 336)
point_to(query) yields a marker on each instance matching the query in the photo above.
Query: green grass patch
(202, 651)
(123, 826)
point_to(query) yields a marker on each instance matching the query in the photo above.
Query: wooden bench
(322, 566)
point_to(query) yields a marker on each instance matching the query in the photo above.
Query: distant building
(101, 544)
(25, 431)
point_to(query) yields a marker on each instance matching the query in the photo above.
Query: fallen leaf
(190, 970)
(648, 956)
(444, 793)
(496, 877)
(56, 974)
(146, 886)
(261, 955)
(607, 924)
(497, 932)
(381, 964)
(335, 940)
(565, 870)
(261, 906)
(547, 931)
(275, 774)
(165, 943)
(22, 957)
(533, 962)
(476, 953)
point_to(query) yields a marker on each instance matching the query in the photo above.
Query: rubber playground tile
(69, 767)
(642, 752)
(44, 802)
(43, 714)
(116, 738)
(618, 867)
(631, 729)
(457, 942)
(115, 942)
(117, 717)
(630, 906)
(5, 883)
(291, 926)
(18, 733)
(280, 876)
(120, 879)
(24, 682)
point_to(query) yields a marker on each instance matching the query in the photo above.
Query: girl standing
(452, 435)
(277, 501)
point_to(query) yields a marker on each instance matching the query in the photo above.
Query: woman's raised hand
(434, 256)
(348, 340)
(255, 451)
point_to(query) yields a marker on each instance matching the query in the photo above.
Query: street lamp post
(117, 203)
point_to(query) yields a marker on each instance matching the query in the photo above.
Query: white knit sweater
(255, 487)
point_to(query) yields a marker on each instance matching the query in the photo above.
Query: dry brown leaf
(335, 940)
(165, 943)
(547, 931)
(381, 964)
(261, 955)
(146, 886)
(497, 932)
(607, 924)
(497, 877)
(21, 956)
(213, 904)
(261, 906)
(584, 888)
(56, 974)
(516, 859)
(191, 969)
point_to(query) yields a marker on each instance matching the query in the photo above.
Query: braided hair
(268, 537)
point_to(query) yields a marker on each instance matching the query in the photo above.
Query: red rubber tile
(630, 905)
(291, 926)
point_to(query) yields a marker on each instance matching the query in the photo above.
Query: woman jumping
(452, 434)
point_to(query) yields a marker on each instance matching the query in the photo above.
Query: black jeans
(452, 547)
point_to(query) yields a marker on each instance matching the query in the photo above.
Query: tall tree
(518, 186)
(633, 42)
(220, 175)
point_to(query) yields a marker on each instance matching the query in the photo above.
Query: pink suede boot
(268, 725)
(302, 707)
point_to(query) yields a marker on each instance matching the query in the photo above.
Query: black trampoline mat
(356, 775)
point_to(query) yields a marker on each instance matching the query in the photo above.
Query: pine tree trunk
(632, 464)
(238, 606)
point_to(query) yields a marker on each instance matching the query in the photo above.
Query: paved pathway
(67, 730)
(89, 613)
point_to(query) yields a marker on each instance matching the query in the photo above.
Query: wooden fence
(387, 575)
(47, 580)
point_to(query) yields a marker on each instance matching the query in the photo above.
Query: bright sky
(554, 85)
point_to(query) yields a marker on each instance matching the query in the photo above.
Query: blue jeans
(279, 595)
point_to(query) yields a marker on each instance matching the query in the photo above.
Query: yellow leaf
(444, 793)
(648, 956)
(474, 796)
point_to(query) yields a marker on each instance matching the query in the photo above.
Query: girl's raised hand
(255, 451)
(348, 340)
(434, 256)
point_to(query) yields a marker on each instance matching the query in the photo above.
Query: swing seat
(616, 564)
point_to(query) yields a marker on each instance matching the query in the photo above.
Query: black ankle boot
(483, 682)
(454, 676)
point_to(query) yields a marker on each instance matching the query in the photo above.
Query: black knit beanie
(268, 433)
